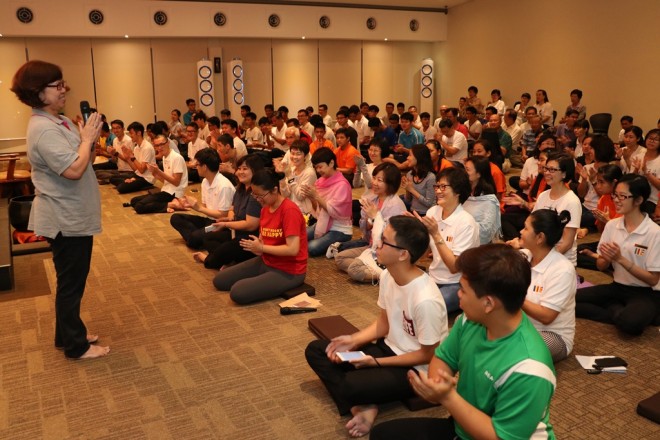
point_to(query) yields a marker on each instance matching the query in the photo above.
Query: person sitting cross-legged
(217, 196)
(411, 323)
(174, 177)
(505, 373)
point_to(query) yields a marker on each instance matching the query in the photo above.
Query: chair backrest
(600, 123)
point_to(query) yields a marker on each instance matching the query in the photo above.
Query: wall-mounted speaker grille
(96, 16)
(426, 86)
(324, 22)
(160, 18)
(371, 23)
(235, 86)
(220, 19)
(274, 20)
(414, 25)
(206, 92)
(24, 15)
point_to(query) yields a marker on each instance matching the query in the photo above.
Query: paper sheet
(302, 300)
(587, 363)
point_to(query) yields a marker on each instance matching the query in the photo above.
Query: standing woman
(419, 181)
(631, 245)
(550, 301)
(281, 247)
(67, 206)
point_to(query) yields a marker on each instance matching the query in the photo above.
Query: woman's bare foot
(362, 421)
(200, 257)
(95, 351)
(91, 339)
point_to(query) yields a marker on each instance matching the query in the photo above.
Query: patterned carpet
(186, 363)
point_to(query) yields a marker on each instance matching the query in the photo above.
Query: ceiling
(394, 3)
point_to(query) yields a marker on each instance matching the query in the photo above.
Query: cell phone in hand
(347, 356)
(209, 228)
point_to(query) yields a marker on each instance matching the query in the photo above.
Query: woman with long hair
(544, 108)
(649, 167)
(483, 203)
(280, 248)
(632, 151)
(419, 181)
(630, 245)
(550, 301)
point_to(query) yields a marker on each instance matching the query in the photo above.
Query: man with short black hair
(409, 135)
(452, 141)
(138, 157)
(230, 127)
(123, 169)
(200, 119)
(506, 378)
(389, 111)
(277, 132)
(194, 145)
(411, 324)
(174, 177)
(187, 116)
(303, 119)
(323, 112)
(253, 135)
(626, 122)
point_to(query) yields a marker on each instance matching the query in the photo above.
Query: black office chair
(600, 123)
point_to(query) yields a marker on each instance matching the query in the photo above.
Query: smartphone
(348, 356)
(209, 228)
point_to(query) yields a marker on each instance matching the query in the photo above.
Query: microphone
(85, 110)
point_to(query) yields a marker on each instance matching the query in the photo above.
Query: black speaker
(217, 65)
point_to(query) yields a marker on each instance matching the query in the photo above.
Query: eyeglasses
(617, 196)
(654, 139)
(60, 85)
(385, 243)
(441, 187)
(551, 170)
(161, 145)
(260, 197)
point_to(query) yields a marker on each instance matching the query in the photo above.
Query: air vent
(160, 18)
(24, 15)
(96, 16)
(274, 20)
(220, 19)
(371, 23)
(414, 25)
(324, 22)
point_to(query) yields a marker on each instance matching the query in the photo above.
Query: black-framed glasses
(260, 197)
(161, 145)
(441, 187)
(385, 243)
(618, 196)
(60, 85)
(551, 170)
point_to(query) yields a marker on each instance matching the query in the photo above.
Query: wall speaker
(426, 86)
(235, 86)
(205, 87)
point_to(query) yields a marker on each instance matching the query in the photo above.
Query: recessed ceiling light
(126, 36)
(303, 37)
(385, 39)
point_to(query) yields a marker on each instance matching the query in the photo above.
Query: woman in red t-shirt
(281, 248)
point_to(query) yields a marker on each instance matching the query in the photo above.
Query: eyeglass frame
(383, 242)
(550, 170)
(261, 197)
(441, 186)
(622, 197)
(61, 85)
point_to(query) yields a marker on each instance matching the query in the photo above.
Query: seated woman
(298, 175)
(452, 230)
(632, 151)
(419, 181)
(223, 246)
(631, 245)
(550, 302)
(482, 203)
(517, 206)
(482, 148)
(606, 179)
(281, 247)
(649, 167)
(332, 199)
(378, 150)
(377, 207)
(437, 156)
(522, 184)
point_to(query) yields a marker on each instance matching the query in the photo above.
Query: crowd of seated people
(294, 200)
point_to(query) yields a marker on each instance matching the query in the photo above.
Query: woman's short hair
(253, 162)
(550, 223)
(459, 181)
(31, 79)
(301, 146)
(566, 165)
(382, 144)
(610, 172)
(392, 176)
(583, 123)
(637, 185)
(324, 155)
(639, 134)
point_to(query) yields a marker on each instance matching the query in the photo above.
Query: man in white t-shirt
(323, 113)
(217, 199)
(123, 169)
(254, 138)
(141, 154)
(230, 127)
(174, 177)
(412, 321)
(473, 124)
(194, 145)
(277, 132)
(496, 101)
(204, 130)
(453, 141)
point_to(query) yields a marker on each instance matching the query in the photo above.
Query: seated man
(217, 199)
(411, 323)
(453, 142)
(194, 145)
(174, 176)
(346, 154)
(230, 127)
(138, 157)
(408, 137)
(254, 137)
(319, 139)
(200, 120)
(506, 377)
(121, 169)
(332, 201)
